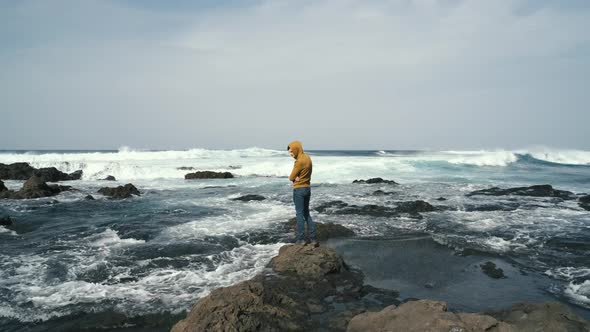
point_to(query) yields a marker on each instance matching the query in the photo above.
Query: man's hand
(296, 179)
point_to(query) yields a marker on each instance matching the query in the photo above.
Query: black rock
(247, 198)
(544, 190)
(414, 207)
(34, 187)
(375, 181)
(369, 210)
(16, 171)
(89, 198)
(109, 178)
(330, 206)
(120, 192)
(492, 271)
(185, 168)
(208, 175)
(2, 186)
(51, 174)
(584, 199)
(324, 231)
(77, 175)
(441, 199)
(5, 220)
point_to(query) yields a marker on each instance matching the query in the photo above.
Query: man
(301, 178)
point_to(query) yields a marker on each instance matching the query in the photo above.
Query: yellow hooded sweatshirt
(302, 167)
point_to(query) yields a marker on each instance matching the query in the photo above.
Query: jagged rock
(23, 171)
(208, 175)
(308, 285)
(2, 187)
(120, 192)
(548, 316)
(16, 171)
(34, 187)
(109, 178)
(492, 271)
(544, 190)
(324, 231)
(422, 315)
(247, 198)
(375, 181)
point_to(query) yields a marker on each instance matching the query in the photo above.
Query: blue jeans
(301, 197)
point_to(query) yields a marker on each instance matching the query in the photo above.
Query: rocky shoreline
(313, 289)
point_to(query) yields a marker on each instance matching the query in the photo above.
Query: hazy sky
(335, 74)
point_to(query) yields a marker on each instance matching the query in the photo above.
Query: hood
(296, 147)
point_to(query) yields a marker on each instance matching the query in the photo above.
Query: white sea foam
(569, 157)
(110, 238)
(482, 158)
(579, 293)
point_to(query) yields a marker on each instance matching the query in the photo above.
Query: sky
(335, 74)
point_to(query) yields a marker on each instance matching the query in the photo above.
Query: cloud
(341, 74)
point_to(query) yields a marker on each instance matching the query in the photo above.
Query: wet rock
(185, 168)
(414, 207)
(584, 202)
(441, 199)
(247, 198)
(492, 271)
(77, 175)
(369, 210)
(120, 192)
(2, 186)
(109, 178)
(548, 316)
(5, 220)
(51, 174)
(423, 315)
(34, 187)
(375, 181)
(534, 191)
(310, 289)
(16, 171)
(89, 198)
(324, 231)
(208, 175)
(331, 206)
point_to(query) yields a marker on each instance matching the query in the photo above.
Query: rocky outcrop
(109, 178)
(307, 287)
(413, 208)
(34, 187)
(375, 181)
(23, 171)
(324, 231)
(544, 190)
(120, 192)
(427, 315)
(247, 198)
(89, 198)
(208, 175)
(2, 187)
(492, 271)
(584, 202)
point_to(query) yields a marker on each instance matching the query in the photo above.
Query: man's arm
(295, 172)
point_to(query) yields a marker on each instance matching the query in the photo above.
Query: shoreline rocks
(324, 231)
(375, 181)
(412, 208)
(23, 171)
(120, 192)
(208, 175)
(248, 198)
(584, 202)
(109, 178)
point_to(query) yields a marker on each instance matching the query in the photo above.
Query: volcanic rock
(89, 198)
(2, 186)
(492, 271)
(544, 190)
(375, 181)
(324, 231)
(414, 207)
(5, 219)
(247, 198)
(208, 175)
(34, 187)
(120, 192)
(584, 202)
(109, 178)
(548, 316)
(16, 171)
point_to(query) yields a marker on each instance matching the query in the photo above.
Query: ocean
(139, 264)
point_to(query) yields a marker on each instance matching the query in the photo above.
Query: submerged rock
(548, 316)
(5, 220)
(375, 181)
(208, 175)
(544, 190)
(120, 192)
(247, 198)
(410, 207)
(492, 271)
